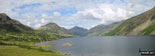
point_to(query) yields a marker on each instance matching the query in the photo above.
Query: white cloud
(44, 15)
(37, 25)
(43, 20)
(56, 14)
(89, 12)
(107, 13)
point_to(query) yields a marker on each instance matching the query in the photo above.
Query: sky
(70, 13)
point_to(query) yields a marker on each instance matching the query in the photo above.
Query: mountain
(20, 39)
(143, 24)
(65, 30)
(13, 30)
(54, 30)
(78, 31)
(101, 29)
(10, 25)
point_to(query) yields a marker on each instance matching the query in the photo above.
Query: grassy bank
(17, 48)
(17, 51)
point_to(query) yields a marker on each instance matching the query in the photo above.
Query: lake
(103, 46)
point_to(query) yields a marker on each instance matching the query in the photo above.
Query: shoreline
(29, 47)
(46, 46)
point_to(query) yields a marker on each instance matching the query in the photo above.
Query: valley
(17, 39)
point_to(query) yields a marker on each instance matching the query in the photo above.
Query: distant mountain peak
(51, 25)
(78, 31)
(77, 27)
(54, 30)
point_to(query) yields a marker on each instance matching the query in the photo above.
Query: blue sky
(70, 13)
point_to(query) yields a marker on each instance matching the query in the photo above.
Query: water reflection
(104, 46)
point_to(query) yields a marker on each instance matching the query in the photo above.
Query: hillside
(101, 29)
(13, 30)
(78, 31)
(10, 25)
(143, 24)
(54, 30)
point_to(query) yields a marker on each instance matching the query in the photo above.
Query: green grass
(18, 48)
(26, 36)
(16, 44)
(22, 44)
(17, 51)
(148, 30)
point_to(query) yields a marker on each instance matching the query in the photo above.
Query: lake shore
(26, 49)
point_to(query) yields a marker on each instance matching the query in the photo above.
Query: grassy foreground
(23, 44)
(17, 51)
(25, 49)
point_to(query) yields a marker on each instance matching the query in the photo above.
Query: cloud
(69, 13)
(56, 14)
(103, 14)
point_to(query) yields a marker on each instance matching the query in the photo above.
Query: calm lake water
(103, 46)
